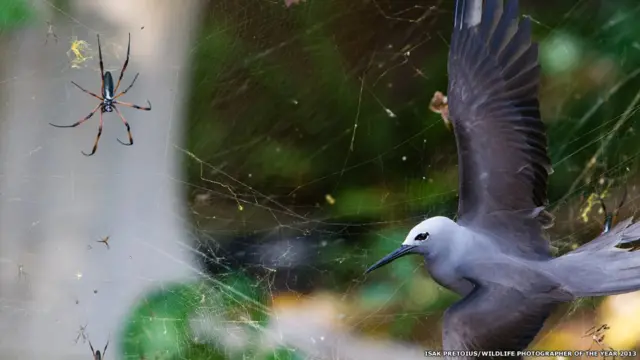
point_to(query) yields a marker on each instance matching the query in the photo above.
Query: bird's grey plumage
(600, 268)
(495, 256)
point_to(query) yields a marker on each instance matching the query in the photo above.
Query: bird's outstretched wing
(502, 145)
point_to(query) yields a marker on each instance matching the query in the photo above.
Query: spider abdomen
(107, 90)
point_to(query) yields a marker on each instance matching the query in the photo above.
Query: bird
(496, 253)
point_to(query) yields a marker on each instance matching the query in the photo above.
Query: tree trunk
(55, 203)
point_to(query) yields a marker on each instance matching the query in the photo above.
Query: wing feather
(502, 145)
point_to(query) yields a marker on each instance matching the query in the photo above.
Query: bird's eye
(422, 236)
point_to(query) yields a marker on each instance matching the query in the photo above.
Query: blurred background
(289, 147)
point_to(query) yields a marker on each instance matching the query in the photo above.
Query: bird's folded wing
(502, 145)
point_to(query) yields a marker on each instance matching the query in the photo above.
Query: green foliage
(159, 323)
(560, 53)
(14, 13)
(307, 117)
(202, 351)
(331, 98)
(162, 322)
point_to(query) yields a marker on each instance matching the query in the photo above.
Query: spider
(108, 100)
(609, 217)
(96, 354)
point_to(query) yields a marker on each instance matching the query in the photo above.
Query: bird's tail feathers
(599, 268)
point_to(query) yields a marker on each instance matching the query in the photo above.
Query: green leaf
(158, 325)
(202, 351)
(561, 53)
(14, 13)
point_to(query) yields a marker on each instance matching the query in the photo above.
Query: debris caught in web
(440, 106)
(50, 33)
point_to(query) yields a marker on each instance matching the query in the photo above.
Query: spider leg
(127, 126)
(129, 87)
(624, 198)
(589, 332)
(134, 105)
(101, 65)
(105, 349)
(124, 67)
(91, 346)
(95, 144)
(81, 121)
(609, 218)
(88, 92)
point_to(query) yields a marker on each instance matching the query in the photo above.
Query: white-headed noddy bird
(495, 255)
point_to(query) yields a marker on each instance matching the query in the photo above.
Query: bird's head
(430, 237)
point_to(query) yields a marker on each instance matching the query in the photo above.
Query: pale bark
(55, 202)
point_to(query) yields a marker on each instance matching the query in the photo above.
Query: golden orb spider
(108, 100)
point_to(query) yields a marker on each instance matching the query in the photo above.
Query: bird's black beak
(400, 252)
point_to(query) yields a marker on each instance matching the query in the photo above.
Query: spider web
(308, 151)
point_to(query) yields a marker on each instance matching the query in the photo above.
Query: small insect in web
(439, 105)
(21, 273)
(78, 50)
(597, 198)
(105, 240)
(108, 100)
(597, 336)
(50, 33)
(610, 217)
(81, 334)
(96, 354)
